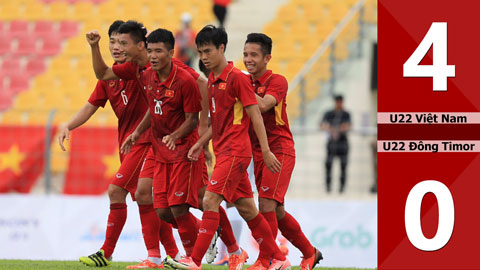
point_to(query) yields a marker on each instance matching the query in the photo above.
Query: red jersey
(128, 104)
(168, 102)
(280, 139)
(132, 71)
(229, 93)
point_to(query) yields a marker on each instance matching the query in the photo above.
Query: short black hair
(261, 39)
(114, 27)
(162, 35)
(203, 68)
(338, 97)
(136, 30)
(212, 35)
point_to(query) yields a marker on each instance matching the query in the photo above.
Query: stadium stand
(46, 64)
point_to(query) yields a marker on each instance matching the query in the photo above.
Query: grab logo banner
(428, 134)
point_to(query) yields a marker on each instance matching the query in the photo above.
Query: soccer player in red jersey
(232, 106)
(271, 93)
(133, 38)
(130, 108)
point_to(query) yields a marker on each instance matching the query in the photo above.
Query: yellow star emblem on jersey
(12, 159)
(112, 162)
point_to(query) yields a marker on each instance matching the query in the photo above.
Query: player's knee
(211, 201)
(280, 211)
(266, 205)
(201, 194)
(180, 210)
(164, 214)
(116, 194)
(143, 196)
(246, 208)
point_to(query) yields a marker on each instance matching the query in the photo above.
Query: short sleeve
(126, 71)
(346, 118)
(191, 96)
(244, 90)
(277, 88)
(99, 95)
(182, 65)
(326, 117)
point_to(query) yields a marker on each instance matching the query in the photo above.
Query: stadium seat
(28, 100)
(77, 47)
(38, 117)
(107, 12)
(5, 44)
(10, 10)
(19, 82)
(43, 83)
(83, 11)
(68, 29)
(59, 11)
(60, 66)
(5, 99)
(43, 28)
(287, 13)
(14, 117)
(35, 10)
(69, 82)
(35, 66)
(51, 45)
(11, 66)
(293, 103)
(27, 45)
(18, 28)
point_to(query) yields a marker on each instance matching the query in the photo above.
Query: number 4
(439, 71)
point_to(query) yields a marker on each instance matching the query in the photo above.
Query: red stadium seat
(18, 83)
(51, 45)
(5, 44)
(11, 66)
(27, 45)
(5, 99)
(43, 28)
(35, 66)
(68, 29)
(18, 28)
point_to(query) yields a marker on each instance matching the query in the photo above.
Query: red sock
(187, 233)
(210, 221)
(226, 234)
(116, 220)
(263, 235)
(271, 218)
(150, 227)
(166, 237)
(292, 231)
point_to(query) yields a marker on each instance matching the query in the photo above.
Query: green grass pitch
(73, 265)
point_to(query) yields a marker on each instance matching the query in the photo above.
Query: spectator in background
(220, 10)
(337, 123)
(185, 41)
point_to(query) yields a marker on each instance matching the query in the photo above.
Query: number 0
(446, 215)
(439, 71)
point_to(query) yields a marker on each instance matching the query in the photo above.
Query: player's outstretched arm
(102, 71)
(203, 124)
(78, 119)
(197, 148)
(269, 158)
(133, 138)
(190, 123)
(265, 103)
